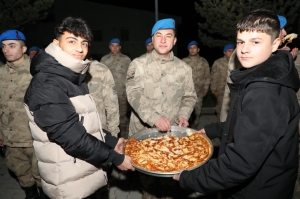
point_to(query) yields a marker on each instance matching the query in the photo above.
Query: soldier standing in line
(149, 45)
(201, 78)
(161, 92)
(118, 64)
(219, 76)
(103, 89)
(32, 51)
(15, 134)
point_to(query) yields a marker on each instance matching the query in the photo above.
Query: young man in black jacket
(69, 142)
(259, 146)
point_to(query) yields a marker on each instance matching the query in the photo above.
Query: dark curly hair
(76, 26)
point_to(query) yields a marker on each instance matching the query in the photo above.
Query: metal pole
(156, 10)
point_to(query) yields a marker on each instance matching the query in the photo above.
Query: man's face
(228, 53)
(13, 51)
(282, 34)
(77, 47)
(194, 50)
(254, 48)
(163, 42)
(149, 47)
(114, 48)
(32, 53)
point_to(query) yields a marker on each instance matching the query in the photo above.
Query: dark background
(186, 32)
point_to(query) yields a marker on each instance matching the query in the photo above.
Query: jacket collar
(78, 66)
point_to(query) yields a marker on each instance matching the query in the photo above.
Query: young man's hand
(126, 164)
(177, 176)
(201, 131)
(120, 145)
(182, 122)
(163, 124)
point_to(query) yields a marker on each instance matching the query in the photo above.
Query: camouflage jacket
(14, 122)
(201, 72)
(219, 75)
(118, 65)
(159, 87)
(103, 90)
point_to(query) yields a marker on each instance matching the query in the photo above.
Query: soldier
(103, 89)
(15, 134)
(118, 64)
(219, 76)
(149, 45)
(32, 51)
(201, 78)
(161, 93)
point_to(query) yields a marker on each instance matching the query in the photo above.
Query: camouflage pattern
(14, 128)
(118, 65)
(218, 80)
(232, 65)
(201, 78)
(14, 122)
(103, 89)
(22, 161)
(157, 88)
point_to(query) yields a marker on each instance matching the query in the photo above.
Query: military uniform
(118, 65)
(156, 88)
(20, 157)
(218, 80)
(103, 89)
(201, 78)
(232, 65)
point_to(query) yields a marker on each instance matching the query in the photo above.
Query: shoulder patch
(130, 73)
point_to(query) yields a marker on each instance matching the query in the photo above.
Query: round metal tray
(177, 132)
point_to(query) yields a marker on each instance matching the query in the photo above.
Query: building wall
(106, 21)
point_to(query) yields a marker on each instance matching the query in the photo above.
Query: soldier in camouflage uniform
(118, 64)
(219, 76)
(103, 89)
(149, 45)
(161, 93)
(15, 134)
(201, 78)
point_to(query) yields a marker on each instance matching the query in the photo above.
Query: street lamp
(156, 10)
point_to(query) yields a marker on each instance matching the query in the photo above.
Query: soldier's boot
(42, 194)
(31, 192)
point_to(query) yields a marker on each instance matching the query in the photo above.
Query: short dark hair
(260, 20)
(76, 26)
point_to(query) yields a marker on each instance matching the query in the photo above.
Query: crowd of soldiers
(152, 99)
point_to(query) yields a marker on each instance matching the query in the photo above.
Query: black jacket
(48, 97)
(258, 156)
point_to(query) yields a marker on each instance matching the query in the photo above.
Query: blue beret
(33, 48)
(228, 46)
(192, 43)
(282, 21)
(149, 40)
(114, 40)
(168, 23)
(12, 35)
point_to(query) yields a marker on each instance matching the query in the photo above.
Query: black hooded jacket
(258, 156)
(48, 97)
